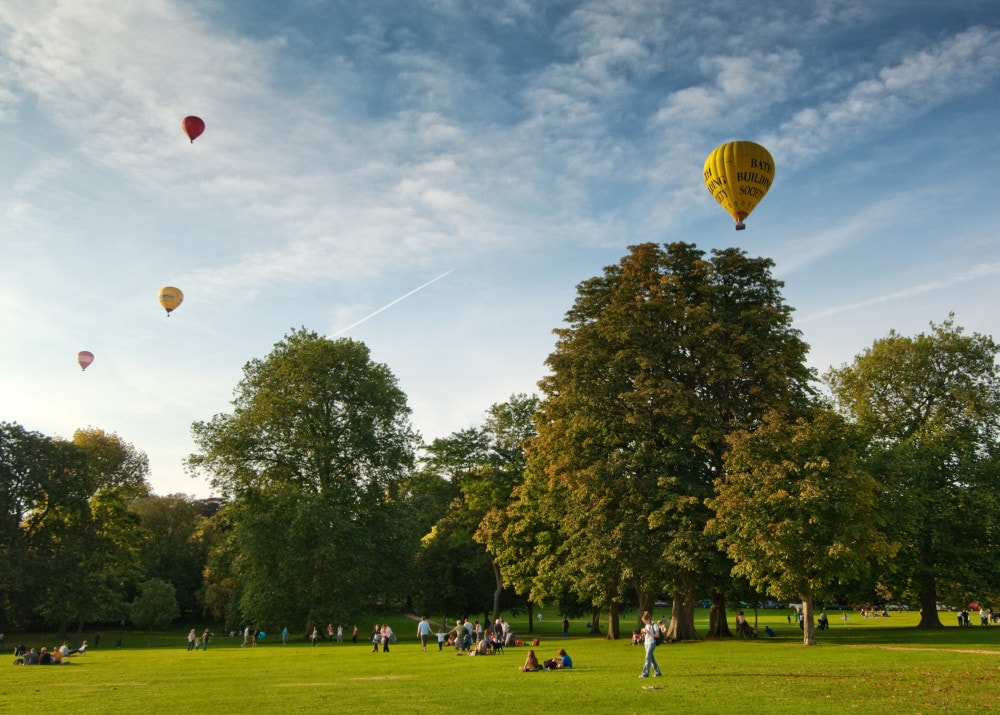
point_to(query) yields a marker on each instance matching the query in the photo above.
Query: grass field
(866, 666)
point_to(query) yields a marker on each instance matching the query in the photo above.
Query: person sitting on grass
(81, 650)
(562, 660)
(530, 663)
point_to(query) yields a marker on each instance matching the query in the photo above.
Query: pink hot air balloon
(84, 357)
(193, 127)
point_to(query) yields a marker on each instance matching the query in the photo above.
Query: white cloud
(748, 84)
(920, 82)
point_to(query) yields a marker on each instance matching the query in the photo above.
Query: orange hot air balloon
(84, 358)
(193, 127)
(170, 298)
(738, 174)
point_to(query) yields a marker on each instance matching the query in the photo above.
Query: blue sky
(480, 159)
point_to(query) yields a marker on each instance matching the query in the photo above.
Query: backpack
(659, 636)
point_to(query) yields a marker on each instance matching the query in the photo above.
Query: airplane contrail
(389, 305)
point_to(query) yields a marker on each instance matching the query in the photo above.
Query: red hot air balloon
(84, 357)
(193, 127)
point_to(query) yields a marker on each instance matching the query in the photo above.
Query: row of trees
(680, 445)
(82, 538)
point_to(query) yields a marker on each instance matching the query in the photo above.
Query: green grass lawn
(865, 665)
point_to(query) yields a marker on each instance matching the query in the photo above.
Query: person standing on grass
(192, 637)
(459, 634)
(205, 638)
(376, 638)
(423, 632)
(354, 635)
(340, 633)
(651, 633)
(284, 636)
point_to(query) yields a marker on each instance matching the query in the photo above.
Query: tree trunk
(531, 617)
(497, 592)
(718, 623)
(614, 617)
(681, 626)
(595, 622)
(645, 604)
(929, 617)
(808, 631)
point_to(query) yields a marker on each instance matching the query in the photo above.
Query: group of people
(334, 635)
(44, 656)
(649, 632)
(561, 660)
(470, 637)
(250, 635)
(985, 617)
(196, 642)
(743, 628)
(382, 636)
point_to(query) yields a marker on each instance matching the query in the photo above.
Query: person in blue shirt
(562, 660)
(424, 632)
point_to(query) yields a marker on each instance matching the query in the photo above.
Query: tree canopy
(314, 450)
(796, 510)
(664, 355)
(69, 545)
(931, 404)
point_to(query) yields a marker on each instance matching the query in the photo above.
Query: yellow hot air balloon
(170, 298)
(738, 174)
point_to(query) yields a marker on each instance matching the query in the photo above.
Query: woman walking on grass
(651, 632)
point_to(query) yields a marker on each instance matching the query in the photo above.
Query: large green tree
(796, 509)
(664, 355)
(931, 404)
(173, 548)
(311, 459)
(67, 539)
(25, 459)
(155, 607)
(482, 465)
(92, 528)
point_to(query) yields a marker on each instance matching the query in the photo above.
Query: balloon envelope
(84, 358)
(170, 298)
(193, 127)
(738, 174)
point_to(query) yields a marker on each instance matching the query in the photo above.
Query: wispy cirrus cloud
(976, 273)
(917, 84)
